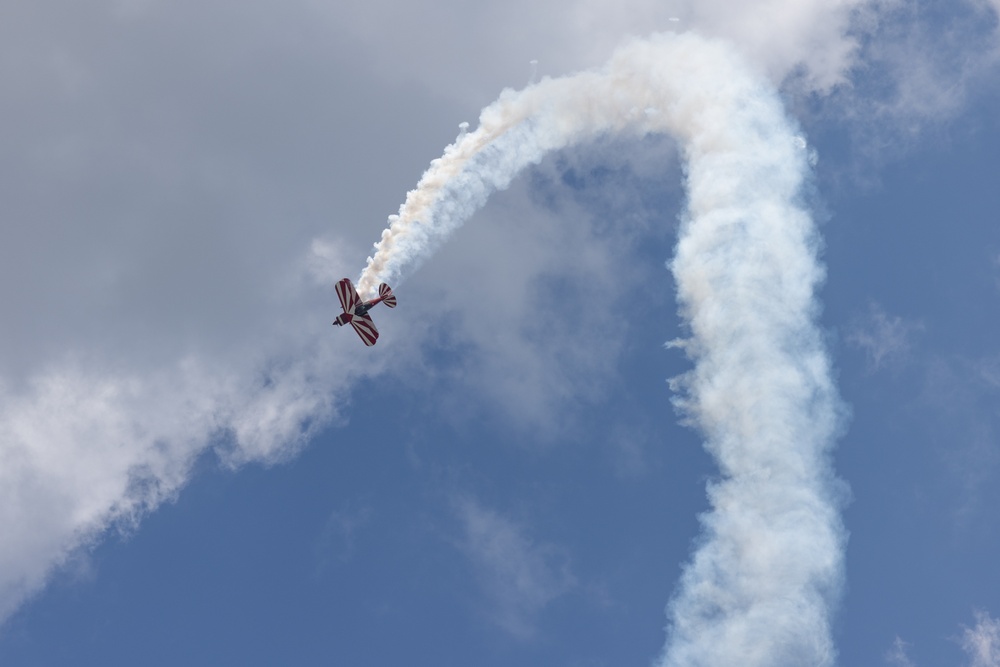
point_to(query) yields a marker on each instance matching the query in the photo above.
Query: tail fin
(388, 298)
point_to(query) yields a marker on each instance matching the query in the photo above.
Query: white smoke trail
(766, 574)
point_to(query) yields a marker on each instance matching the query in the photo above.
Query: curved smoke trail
(764, 578)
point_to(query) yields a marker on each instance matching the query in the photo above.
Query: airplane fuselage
(359, 310)
(356, 311)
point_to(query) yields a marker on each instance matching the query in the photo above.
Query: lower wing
(365, 328)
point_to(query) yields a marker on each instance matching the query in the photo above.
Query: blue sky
(196, 467)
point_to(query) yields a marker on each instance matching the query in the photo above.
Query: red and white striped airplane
(356, 311)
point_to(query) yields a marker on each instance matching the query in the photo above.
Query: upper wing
(348, 295)
(365, 328)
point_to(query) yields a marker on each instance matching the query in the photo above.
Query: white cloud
(499, 40)
(982, 642)
(160, 295)
(160, 298)
(992, 6)
(85, 448)
(521, 576)
(913, 71)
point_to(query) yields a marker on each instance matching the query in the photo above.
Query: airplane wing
(364, 326)
(348, 295)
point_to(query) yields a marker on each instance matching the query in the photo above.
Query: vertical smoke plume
(764, 578)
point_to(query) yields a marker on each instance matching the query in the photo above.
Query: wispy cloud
(982, 642)
(897, 656)
(338, 536)
(961, 394)
(996, 267)
(913, 71)
(885, 339)
(628, 443)
(989, 371)
(519, 575)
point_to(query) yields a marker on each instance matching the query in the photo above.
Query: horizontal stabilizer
(388, 298)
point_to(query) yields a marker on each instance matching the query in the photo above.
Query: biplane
(356, 311)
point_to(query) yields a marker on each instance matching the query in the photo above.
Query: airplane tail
(388, 298)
